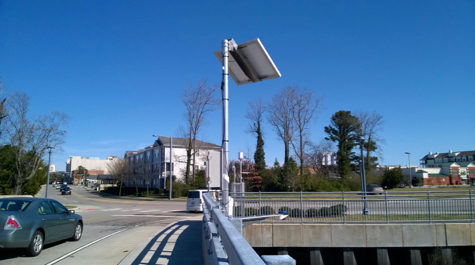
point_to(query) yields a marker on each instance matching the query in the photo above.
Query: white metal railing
(347, 207)
(224, 244)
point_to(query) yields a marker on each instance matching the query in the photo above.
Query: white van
(194, 203)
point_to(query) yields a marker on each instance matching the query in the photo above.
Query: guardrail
(223, 243)
(347, 207)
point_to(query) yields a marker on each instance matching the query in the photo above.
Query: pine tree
(259, 155)
(343, 129)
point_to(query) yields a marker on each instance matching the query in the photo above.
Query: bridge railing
(224, 244)
(348, 207)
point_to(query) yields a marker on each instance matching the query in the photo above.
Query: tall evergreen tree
(344, 130)
(259, 155)
(255, 114)
(290, 175)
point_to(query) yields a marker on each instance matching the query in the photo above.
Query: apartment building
(440, 169)
(150, 166)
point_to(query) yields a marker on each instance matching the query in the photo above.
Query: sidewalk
(178, 243)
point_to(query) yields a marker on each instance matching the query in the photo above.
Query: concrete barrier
(360, 235)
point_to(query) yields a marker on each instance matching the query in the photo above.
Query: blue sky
(119, 68)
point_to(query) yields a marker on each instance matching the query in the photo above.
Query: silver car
(374, 189)
(31, 223)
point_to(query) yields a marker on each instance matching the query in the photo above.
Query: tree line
(290, 112)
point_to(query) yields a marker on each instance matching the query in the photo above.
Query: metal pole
(225, 126)
(207, 172)
(343, 200)
(49, 165)
(428, 206)
(409, 166)
(240, 170)
(363, 178)
(171, 168)
(471, 207)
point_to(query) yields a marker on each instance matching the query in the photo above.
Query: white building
(150, 167)
(52, 168)
(90, 163)
(329, 159)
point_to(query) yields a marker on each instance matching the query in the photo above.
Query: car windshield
(13, 205)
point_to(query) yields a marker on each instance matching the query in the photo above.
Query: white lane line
(147, 211)
(135, 215)
(108, 210)
(83, 247)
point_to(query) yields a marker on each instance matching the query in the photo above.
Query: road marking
(83, 247)
(96, 218)
(114, 209)
(138, 215)
(147, 211)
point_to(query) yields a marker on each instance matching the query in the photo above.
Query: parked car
(402, 184)
(66, 191)
(31, 223)
(374, 189)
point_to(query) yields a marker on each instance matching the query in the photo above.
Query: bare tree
(371, 124)
(255, 114)
(305, 110)
(198, 101)
(119, 170)
(290, 113)
(314, 157)
(280, 116)
(31, 138)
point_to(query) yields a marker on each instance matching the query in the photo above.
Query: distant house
(451, 168)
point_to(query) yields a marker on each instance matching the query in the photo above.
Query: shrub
(267, 210)
(334, 210)
(296, 212)
(250, 212)
(337, 210)
(323, 212)
(285, 209)
(312, 212)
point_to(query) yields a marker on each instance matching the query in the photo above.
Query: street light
(363, 178)
(171, 166)
(409, 166)
(247, 63)
(49, 165)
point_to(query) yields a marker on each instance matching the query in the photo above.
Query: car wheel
(36, 244)
(77, 232)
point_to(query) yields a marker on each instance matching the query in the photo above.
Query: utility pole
(49, 165)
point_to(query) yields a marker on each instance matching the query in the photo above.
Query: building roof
(457, 154)
(183, 142)
(437, 175)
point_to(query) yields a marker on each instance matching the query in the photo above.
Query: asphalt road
(121, 231)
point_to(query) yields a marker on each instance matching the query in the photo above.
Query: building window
(455, 171)
(471, 172)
